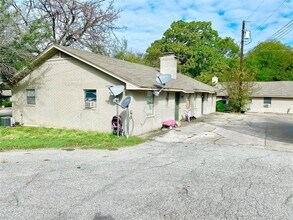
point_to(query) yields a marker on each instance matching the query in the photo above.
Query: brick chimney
(168, 65)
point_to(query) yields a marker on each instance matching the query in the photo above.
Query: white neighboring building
(273, 97)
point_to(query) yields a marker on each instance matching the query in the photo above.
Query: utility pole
(242, 45)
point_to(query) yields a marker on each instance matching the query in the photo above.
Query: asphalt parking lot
(223, 166)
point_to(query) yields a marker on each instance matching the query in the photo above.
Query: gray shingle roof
(274, 89)
(221, 89)
(281, 89)
(136, 74)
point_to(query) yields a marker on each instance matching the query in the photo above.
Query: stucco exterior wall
(140, 121)
(198, 105)
(209, 103)
(59, 85)
(278, 105)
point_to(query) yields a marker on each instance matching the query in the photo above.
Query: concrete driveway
(225, 167)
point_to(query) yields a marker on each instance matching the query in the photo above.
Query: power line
(288, 25)
(284, 34)
(270, 15)
(255, 9)
(282, 30)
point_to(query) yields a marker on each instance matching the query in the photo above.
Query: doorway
(202, 102)
(177, 101)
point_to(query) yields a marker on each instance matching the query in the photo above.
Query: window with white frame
(150, 103)
(90, 98)
(31, 96)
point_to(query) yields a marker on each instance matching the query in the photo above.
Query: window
(167, 98)
(31, 96)
(90, 98)
(150, 103)
(267, 100)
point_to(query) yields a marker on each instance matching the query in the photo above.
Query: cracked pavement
(224, 166)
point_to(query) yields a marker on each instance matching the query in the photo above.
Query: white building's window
(90, 98)
(150, 103)
(267, 100)
(31, 96)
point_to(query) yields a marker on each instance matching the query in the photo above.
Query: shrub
(235, 107)
(7, 103)
(220, 107)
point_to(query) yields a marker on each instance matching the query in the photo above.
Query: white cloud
(147, 20)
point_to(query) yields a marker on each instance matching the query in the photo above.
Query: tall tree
(271, 61)
(121, 52)
(239, 86)
(198, 47)
(29, 26)
(13, 53)
(85, 24)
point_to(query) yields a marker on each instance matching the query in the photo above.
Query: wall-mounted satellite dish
(116, 90)
(125, 103)
(163, 78)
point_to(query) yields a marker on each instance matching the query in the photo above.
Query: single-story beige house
(68, 89)
(273, 97)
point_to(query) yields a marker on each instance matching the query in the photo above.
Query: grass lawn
(33, 138)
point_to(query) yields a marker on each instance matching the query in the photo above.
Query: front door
(177, 100)
(202, 102)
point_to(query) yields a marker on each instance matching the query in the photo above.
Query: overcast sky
(147, 20)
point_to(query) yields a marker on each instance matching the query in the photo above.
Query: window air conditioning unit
(7, 122)
(266, 105)
(90, 104)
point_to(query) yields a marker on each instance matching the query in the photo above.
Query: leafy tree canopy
(14, 53)
(200, 50)
(121, 52)
(29, 26)
(239, 86)
(271, 61)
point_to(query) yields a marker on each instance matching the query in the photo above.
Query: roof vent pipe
(215, 80)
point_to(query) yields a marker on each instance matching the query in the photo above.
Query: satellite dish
(125, 103)
(116, 90)
(163, 78)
